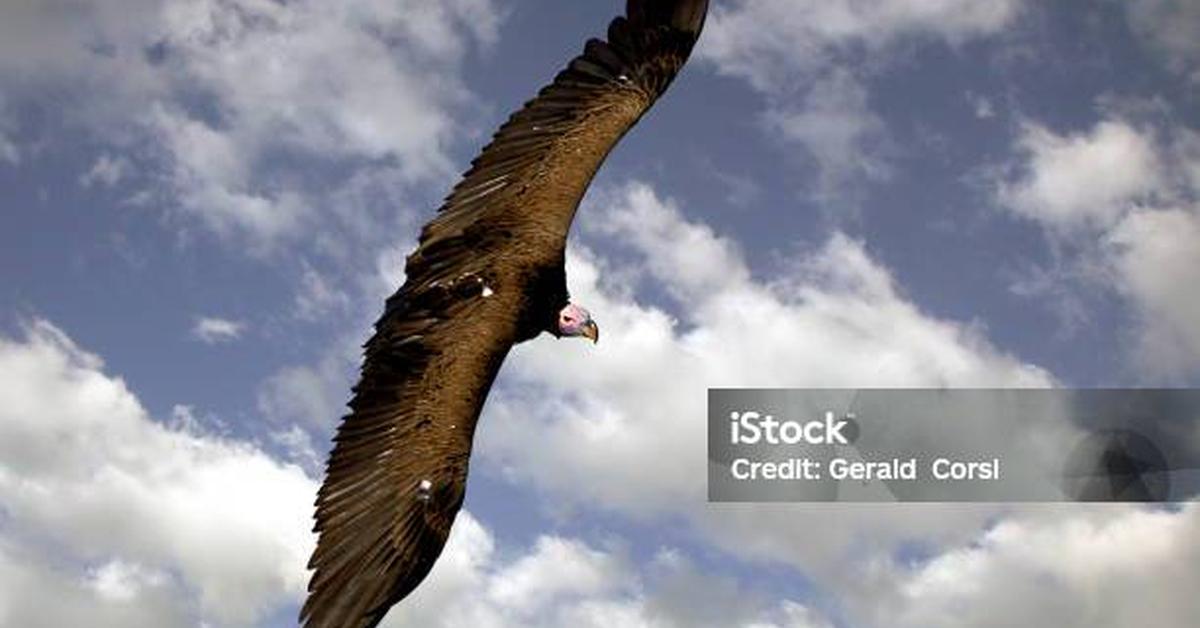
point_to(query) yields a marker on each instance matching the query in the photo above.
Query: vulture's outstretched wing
(397, 475)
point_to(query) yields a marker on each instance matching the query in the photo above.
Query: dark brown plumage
(488, 273)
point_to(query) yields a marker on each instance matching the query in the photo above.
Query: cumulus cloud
(212, 330)
(313, 395)
(318, 296)
(1112, 566)
(37, 593)
(1089, 178)
(132, 521)
(1121, 207)
(106, 170)
(113, 519)
(562, 581)
(835, 125)
(9, 152)
(1155, 254)
(621, 426)
(810, 59)
(1172, 28)
(226, 102)
(125, 521)
(768, 41)
(983, 106)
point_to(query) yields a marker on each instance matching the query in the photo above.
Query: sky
(206, 202)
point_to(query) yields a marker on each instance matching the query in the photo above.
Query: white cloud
(836, 126)
(298, 448)
(314, 394)
(556, 567)
(622, 422)
(8, 150)
(621, 426)
(132, 522)
(113, 519)
(982, 105)
(311, 395)
(1123, 215)
(1087, 179)
(212, 330)
(1099, 567)
(8, 147)
(563, 581)
(37, 593)
(1187, 156)
(318, 297)
(1155, 254)
(810, 58)
(228, 102)
(699, 262)
(121, 581)
(106, 170)
(1172, 28)
(770, 41)
(93, 47)
(211, 174)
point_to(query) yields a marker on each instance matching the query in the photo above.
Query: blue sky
(206, 202)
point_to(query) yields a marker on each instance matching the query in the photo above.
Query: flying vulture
(487, 273)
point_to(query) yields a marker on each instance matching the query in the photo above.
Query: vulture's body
(488, 273)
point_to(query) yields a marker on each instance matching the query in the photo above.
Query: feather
(396, 478)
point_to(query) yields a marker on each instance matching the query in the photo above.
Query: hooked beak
(592, 330)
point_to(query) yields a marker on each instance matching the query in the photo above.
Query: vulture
(487, 273)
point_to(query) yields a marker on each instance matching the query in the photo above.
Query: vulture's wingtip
(684, 15)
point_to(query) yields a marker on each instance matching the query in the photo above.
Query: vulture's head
(574, 321)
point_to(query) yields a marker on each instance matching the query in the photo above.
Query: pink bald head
(574, 321)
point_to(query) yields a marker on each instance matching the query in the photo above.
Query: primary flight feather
(486, 274)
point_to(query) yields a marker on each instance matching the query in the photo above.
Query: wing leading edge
(397, 475)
